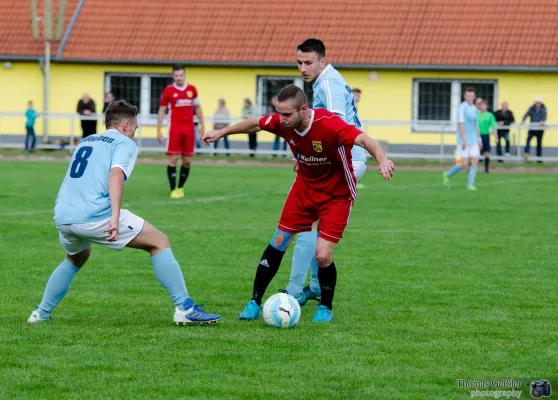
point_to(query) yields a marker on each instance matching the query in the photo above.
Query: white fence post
(72, 133)
(442, 132)
(519, 142)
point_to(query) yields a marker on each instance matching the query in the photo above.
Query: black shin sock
(184, 172)
(328, 279)
(171, 173)
(268, 267)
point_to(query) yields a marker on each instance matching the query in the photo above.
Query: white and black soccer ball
(281, 311)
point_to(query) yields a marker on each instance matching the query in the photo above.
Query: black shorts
(485, 143)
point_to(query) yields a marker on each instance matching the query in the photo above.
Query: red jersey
(323, 151)
(181, 101)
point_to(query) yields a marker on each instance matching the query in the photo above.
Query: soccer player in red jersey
(183, 100)
(324, 188)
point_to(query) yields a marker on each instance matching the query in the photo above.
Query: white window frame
(145, 115)
(297, 80)
(451, 125)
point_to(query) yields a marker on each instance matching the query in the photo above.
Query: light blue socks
(57, 287)
(472, 176)
(455, 169)
(168, 273)
(315, 283)
(304, 253)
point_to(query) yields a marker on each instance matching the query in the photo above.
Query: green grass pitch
(434, 285)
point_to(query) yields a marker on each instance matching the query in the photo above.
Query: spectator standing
(86, 108)
(248, 112)
(504, 117)
(31, 115)
(538, 114)
(109, 99)
(221, 119)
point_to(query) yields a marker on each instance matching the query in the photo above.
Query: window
(142, 90)
(435, 101)
(158, 84)
(126, 88)
(269, 87)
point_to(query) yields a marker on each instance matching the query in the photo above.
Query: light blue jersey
(84, 195)
(467, 115)
(332, 92)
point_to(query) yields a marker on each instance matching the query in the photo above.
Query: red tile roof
(491, 33)
(15, 27)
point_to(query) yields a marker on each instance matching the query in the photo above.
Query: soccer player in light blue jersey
(331, 92)
(469, 143)
(88, 210)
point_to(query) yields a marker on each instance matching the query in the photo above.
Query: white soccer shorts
(359, 168)
(472, 151)
(78, 237)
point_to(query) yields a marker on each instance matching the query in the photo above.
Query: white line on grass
(480, 184)
(203, 200)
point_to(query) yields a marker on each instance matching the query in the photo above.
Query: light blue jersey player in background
(88, 211)
(331, 92)
(469, 143)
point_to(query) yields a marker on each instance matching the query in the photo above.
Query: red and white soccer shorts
(182, 140)
(304, 206)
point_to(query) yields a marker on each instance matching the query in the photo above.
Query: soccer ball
(281, 311)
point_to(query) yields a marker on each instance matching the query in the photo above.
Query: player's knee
(323, 257)
(281, 240)
(160, 242)
(173, 160)
(186, 161)
(78, 260)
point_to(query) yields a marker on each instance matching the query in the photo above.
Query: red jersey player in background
(324, 188)
(183, 100)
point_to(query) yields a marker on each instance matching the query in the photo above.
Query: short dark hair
(292, 92)
(118, 111)
(357, 90)
(470, 89)
(177, 67)
(312, 45)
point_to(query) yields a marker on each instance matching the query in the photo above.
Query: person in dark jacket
(537, 114)
(504, 117)
(86, 107)
(109, 99)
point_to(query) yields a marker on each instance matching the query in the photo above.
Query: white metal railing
(441, 128)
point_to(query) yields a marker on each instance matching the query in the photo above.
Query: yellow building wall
(390, 97)
(387, 96)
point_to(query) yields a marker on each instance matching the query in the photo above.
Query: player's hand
(464, 145)
(160, 137)
(210, 137)
(295, 165)
(201, 132)
(386, 169)
(112, 230)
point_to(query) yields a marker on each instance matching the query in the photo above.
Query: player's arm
(199, 114)
(461, 126)
(160, 118)
(116, 189)
(165, 100)
(385, 166)
(251, 125)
